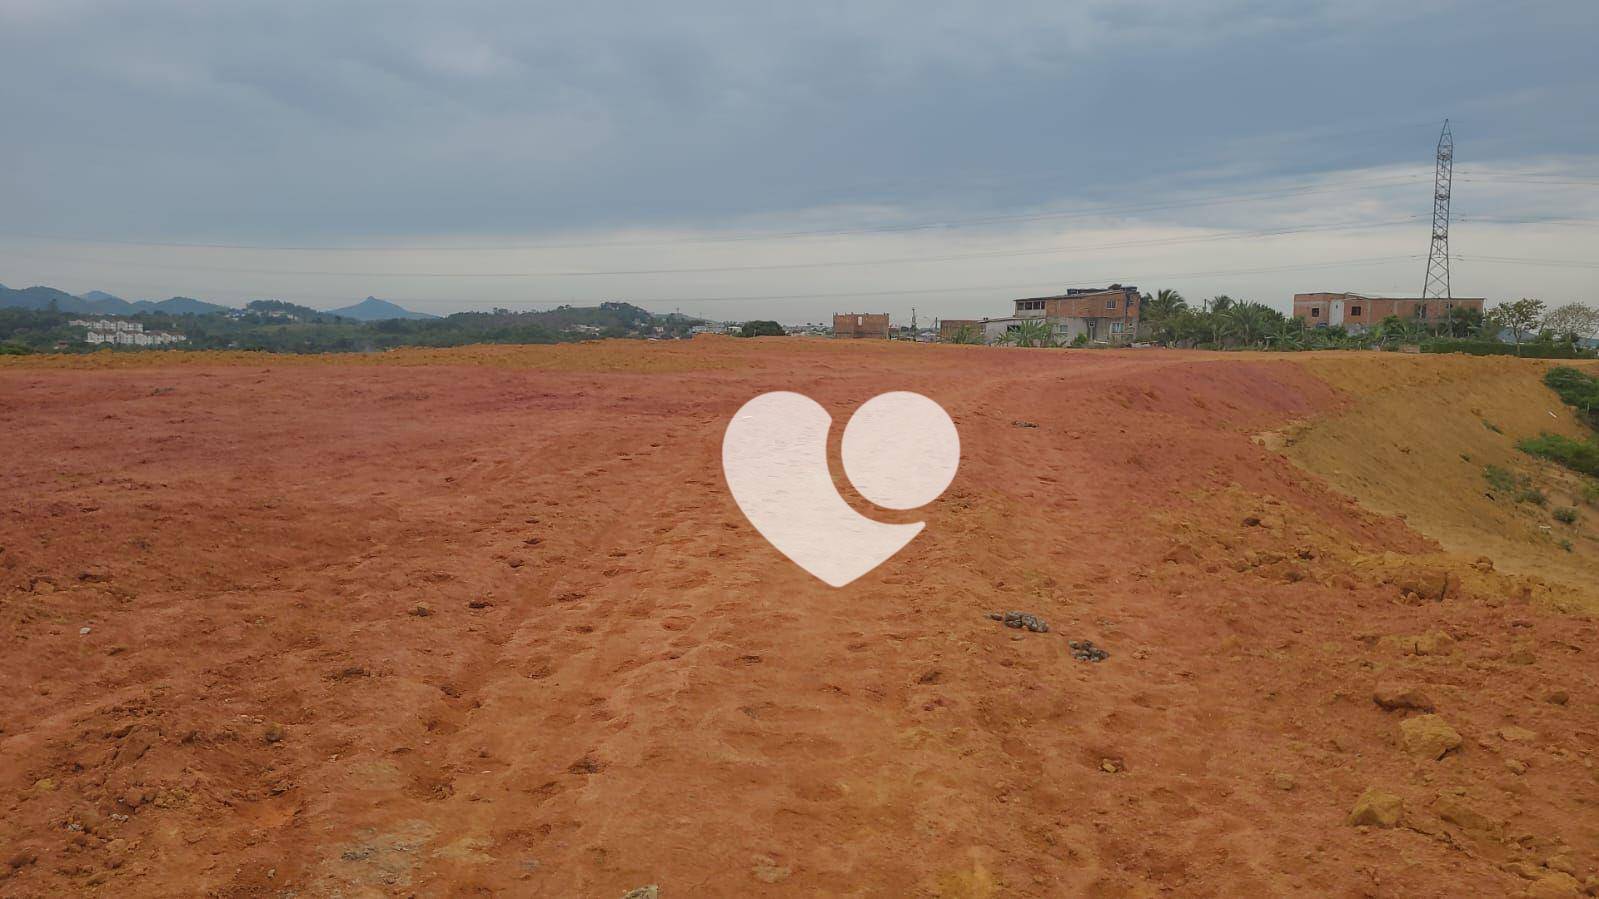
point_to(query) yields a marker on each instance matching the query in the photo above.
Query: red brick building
(1357, 312)
(855, 324)
(1099, 314)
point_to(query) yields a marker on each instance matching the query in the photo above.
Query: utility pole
(1437, 283)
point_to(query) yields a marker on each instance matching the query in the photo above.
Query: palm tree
(1248, 322)
(1395, 331)
(1164, 304)
(1157, 312)
(1187, 327)
(1463, 321)
(1215, 312)
(1287, 334)
(1333, 338)
(1035, 332)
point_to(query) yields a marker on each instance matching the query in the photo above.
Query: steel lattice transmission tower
(1437, 284)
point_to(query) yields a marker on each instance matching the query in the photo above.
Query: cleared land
(486, 621)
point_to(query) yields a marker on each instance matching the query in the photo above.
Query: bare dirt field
(486, 622)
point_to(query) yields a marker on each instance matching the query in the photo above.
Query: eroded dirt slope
(1425, 436)
(489, 623)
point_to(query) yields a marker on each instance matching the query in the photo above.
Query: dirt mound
(220, 682)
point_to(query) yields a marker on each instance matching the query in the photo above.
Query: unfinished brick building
(1357, 311)
(950, 328)
(1097, 314)
(861, 324)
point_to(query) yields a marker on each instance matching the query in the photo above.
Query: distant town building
(809, 329)
(861, 325)
(1359, 311)
(1096, 314)
(123, 333)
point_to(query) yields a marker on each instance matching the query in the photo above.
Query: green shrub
(1495, 348)
(1576, 455)
(1533, 495)
(1566, 515)
(1578, 390)
(760, 328)
(1590, 493)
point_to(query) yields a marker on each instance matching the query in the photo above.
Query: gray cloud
(360, 123)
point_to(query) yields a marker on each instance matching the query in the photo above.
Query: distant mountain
(100, 302)
(180, 306)
(43, 298)
(373, 309)
(107, 303)
(111, 304)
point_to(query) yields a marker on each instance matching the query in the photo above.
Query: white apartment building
(124, 333)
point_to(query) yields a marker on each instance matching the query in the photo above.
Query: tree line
(1222, 322)
(278, 327)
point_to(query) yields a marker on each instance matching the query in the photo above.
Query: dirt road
(486, 622)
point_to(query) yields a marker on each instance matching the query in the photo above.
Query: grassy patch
(1577, 390)
(1577, 455)
(1498, 478)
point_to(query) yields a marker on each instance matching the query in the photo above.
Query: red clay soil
(444, 629)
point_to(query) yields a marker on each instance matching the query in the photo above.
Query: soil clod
(1086, 651)
(1021, 620)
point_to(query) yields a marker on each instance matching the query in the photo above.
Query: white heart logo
(900, 451)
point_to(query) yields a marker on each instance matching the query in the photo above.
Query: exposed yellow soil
(1415, 439)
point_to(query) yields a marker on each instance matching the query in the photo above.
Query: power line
(950, 224)
(1577, 222)
(1053, 283)
(1558, 182)
(1031, 286)
(1219, 200)
(1520, 260)
(841, 263)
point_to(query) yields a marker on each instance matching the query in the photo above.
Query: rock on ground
(1428, 736)
(1554, 885)
(1402, 696)
(1376, 808)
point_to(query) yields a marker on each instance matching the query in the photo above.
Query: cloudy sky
(739, 160)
